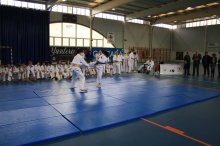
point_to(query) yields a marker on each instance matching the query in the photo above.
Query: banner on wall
(63, 53)
(66, 53)
(110, 50)
(171, 69)
(110, 37)
(213, 45)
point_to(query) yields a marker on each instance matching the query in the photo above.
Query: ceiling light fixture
(113, 9)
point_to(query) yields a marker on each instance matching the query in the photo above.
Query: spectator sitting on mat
(148, 65)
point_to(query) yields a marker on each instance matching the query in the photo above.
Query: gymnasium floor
(134, 109)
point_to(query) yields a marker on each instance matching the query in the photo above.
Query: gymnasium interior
(163, 108)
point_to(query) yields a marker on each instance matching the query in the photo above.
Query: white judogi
(44, 71)
(16, 71)
(23, 71)
(127, 64)
(149, 65)
(77, 73)
(51, 71)
(117, 65)
(30, 70)
(60, 71)
(2, 73)
(123, 63)
(68, 70)
(37, 69)
(100, 67)
(131, 57)
(8, 73)
(135, 61)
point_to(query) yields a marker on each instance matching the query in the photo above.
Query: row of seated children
(37, 71)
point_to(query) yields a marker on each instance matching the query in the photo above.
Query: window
(51, 41)
(70, 10)
(64, 9)
(79, 42)
(58, 42)
(65, 42)
(69, 34)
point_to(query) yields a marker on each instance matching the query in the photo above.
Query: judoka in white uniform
(76, 70)
(44, 72)
(51, 70)
(127, 63)
(117, 63)
(60, 70)
(123, 62)
(16, 71)
(101, 66)
(8, 71)
(68, 69)
(37, 69)
(149, 65)
(23, 71)
(2, 73)
(131, 55)
(30, 70)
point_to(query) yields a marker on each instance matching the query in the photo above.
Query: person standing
(100, 65)
(78, 60)
(135, 60)
(123, 62)
(196, 61)
(186, 64)
(206, 59)
(131, 55)
(117, 63)
(89, 55)
(213, 64)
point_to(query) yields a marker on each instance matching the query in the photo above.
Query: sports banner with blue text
(110, 50)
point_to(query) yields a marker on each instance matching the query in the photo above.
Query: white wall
(137, 35)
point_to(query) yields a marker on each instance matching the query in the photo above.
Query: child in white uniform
(131, 57)
(127, 63)
(117, 63)
(30, 70)
(60, 70)
(23, 71)
(8, 71)
(2, 72)
(68, 69)
(51, 70)
(16, 71)
(100, 66)
(37, 69)
(44, 71)
(149, 65)
(77, 73)
(123, 60)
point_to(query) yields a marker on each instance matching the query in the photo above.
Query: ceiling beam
(173, 6)
(109, 5)
(50, 4)
(193, 15)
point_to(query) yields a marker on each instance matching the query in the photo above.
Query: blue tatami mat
(21, 104)
(87, 105)
(28, 114)
(10, 95)
(96, 119)
(48, 109)
(35, 131)
(56, 99)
